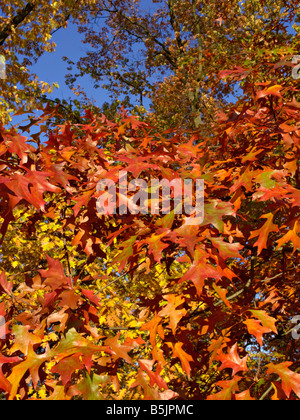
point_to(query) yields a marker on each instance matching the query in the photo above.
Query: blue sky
(51, 68)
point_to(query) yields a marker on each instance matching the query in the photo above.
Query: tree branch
(119, 278)
(165, 50)
(174, 23)
(15, 21)
(266, 393)
(106, 328)
(67, 18)
(229, 298)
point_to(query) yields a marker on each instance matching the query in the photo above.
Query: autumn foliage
(145, 305)
(149, 306)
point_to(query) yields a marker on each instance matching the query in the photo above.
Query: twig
(119, 328)
(66, 249)
(259, 366)
(266, 393)
(119, 278)
(235, 295)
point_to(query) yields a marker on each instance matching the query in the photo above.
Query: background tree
(131, 306)
(26, 31)
(173, 50)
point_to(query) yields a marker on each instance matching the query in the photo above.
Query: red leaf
(290, 380)
(5, 285)
(92, 297)
(239, 74)
(149, 392)
(55, 275)
(255, 328)
(119, 350)
(263, 232)
(199, 271)
(171, 310)
(30, 187)
(233, 361)
(81, 201)
(184, 358)
(66, 367)
(226, 249)
(229, 389)
(17, 144)
(156, 246)
(272, 90)
(155, 378)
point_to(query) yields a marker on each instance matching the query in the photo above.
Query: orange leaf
(171, 310)
(184, 358)
(4, 284)
(263, 232)
(233, 361)
(156, 246)
(226, 249)
(119, 350)
(292, 236)
(255, 328)
(222, 293)
(229, 389)
(290, 380)
(272, 90)
(199, 271)
(266, 320)
(244, 396)
(155, 378)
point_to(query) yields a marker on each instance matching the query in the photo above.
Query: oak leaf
(293, 236)
(263, 232)
(119, 350)
(199, 271)
(228, 391)
(4, 284)
(272, 90)
(244, 396)
(172, 312)
(88, 388)
(184, 358)
(233, 361)
(255, 328)
(67, 366)
(155, 378)
(290, 380)
(266, 320)
(55, 275)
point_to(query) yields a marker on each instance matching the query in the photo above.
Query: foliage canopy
(141, 306)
